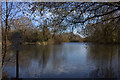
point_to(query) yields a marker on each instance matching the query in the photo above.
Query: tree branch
(96, 16)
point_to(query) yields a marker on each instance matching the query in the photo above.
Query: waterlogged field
(68, 60)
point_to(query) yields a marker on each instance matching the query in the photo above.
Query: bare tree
(7, 15)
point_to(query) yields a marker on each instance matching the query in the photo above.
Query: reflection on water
(73, 60)
(105, 58)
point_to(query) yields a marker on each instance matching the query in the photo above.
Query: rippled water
(68, 60)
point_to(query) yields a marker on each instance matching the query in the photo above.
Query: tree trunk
(1, 41)
(5, 35)
(17, 64)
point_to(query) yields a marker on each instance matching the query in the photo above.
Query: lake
(67, 60)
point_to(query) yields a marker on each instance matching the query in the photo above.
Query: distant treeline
(104, 32)
(35, 35)
(99, 33)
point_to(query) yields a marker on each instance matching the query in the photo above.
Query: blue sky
(36, 15)
(39, 19)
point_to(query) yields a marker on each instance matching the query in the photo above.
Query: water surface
(68, 60)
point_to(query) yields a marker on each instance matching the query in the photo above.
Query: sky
(40, 18)
(37, 16)
(60, 0)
